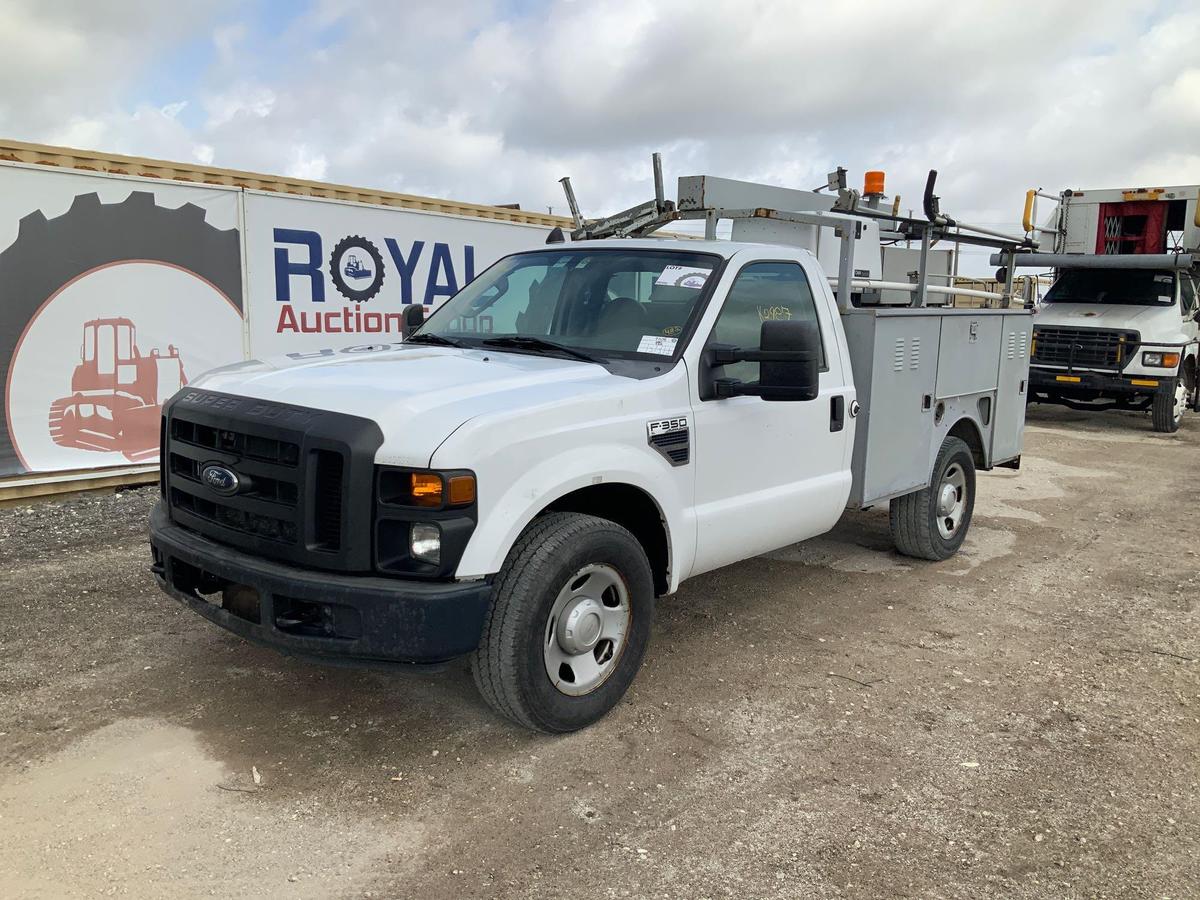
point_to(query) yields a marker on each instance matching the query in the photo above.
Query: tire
(918, 525)
(547, 564)
(1166, 412)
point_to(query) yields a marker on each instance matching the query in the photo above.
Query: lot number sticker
(657, 344)
(684, 276)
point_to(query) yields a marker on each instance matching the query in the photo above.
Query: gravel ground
(831, 720)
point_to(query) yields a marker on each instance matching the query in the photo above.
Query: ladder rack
(846, 218)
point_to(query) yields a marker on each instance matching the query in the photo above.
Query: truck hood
(418, 394)
(1105, 315)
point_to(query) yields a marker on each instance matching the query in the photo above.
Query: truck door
(770, 473)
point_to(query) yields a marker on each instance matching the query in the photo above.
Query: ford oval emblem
(220, 480)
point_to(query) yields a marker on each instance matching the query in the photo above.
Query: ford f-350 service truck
(575, 433)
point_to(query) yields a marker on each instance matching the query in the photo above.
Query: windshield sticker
(684, 276)
(657, 344)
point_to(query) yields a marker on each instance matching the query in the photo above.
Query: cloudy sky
(494, 101)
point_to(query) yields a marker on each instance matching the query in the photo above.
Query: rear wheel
(568, 625)
(932, 523)
(1167, 410)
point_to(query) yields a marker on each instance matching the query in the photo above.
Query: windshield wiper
(429, 337)
(536, 344)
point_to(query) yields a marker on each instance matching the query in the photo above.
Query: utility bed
(916, 371)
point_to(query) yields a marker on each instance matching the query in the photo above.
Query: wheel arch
(967, 430)
(657, 506)
(632, 508)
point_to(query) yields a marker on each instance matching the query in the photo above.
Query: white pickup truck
(575, 433)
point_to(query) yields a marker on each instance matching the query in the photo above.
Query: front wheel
(1167, 410)
(932, 523)
(568, 624)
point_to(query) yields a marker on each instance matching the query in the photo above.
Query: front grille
(304, 478)
(227, 516)
(1083, 348)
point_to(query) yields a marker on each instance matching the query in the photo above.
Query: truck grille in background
(1083, 348)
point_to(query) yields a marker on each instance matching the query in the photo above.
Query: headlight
(423, 520)
(1160, 360)
(425, 542)
(430, 490)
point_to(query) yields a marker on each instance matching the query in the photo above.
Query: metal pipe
(660, 194)
(1097, 260)
(849, 233)
(565, 181)
(873, 284)
(922, 271)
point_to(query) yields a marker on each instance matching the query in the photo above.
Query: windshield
(1118, 287)
(604, 303)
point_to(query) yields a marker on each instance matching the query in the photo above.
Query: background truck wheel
(932, 523)
(1167, 411)
(568, 625)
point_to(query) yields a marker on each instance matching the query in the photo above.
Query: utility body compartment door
(1012, 391)
(895, 360)
(770, 473)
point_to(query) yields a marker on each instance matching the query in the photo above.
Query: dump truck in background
(1120, 326)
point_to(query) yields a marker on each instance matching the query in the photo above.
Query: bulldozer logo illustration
(355, 268)
(357, 259)
(94, 340)
(116, 393)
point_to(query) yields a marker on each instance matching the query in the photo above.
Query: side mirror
(789, 358)
(414, 318)
(796, 373)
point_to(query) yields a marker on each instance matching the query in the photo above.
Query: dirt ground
(832, 720)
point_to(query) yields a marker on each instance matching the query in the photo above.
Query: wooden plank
(22, 490)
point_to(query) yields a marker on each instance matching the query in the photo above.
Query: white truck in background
(1120, 326)
(575, 433)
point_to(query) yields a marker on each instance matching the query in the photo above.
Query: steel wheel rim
(951, 500)
(586, 630)
(1181, 393)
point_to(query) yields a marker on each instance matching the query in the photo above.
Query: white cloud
(448, 98)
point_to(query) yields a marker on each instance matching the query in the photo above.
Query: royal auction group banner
(116, 291)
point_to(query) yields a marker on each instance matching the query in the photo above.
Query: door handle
(837, 413)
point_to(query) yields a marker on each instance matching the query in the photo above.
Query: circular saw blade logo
(356, 267)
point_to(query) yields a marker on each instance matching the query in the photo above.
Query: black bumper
(319, 614)
(1069, 383)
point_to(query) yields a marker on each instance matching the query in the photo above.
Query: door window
(1187, 294)
(763, 292)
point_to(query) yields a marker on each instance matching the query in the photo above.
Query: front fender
(504, 515)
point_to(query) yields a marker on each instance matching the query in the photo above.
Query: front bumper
(319, 614)
(1104, 384)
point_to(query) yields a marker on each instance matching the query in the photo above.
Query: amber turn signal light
(426, 489)
(462, 490)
